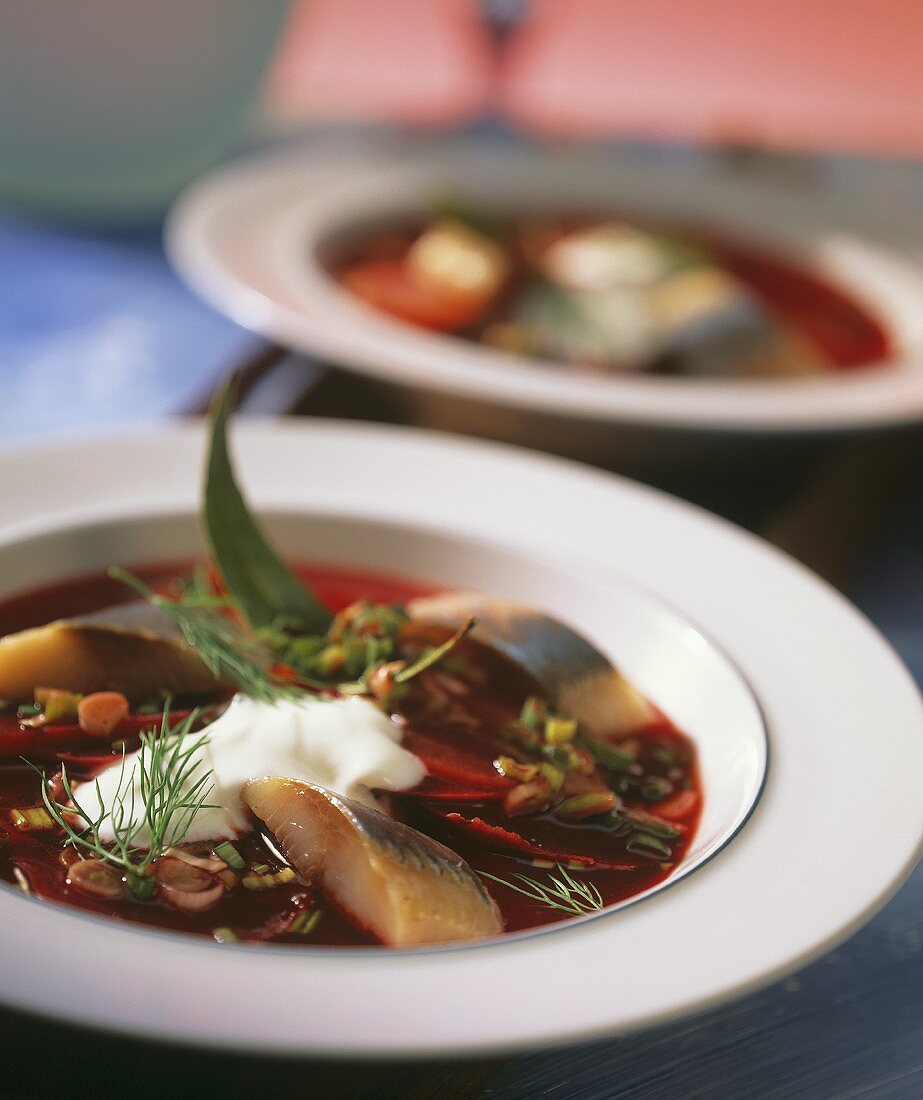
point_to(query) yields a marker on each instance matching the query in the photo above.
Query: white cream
(345, 745)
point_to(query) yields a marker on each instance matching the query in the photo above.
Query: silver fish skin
(132, 648)
(403, 887)
(579, 679)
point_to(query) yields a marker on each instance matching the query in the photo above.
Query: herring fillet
(133, 648)
(404, 887)
(579, 679)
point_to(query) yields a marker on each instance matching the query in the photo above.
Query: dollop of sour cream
(345, 745)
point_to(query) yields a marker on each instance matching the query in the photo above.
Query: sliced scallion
(32, 817)
(533, 712)
(226, 851)
(608, 756)
(268, 881)
(305, 923)
(646, 845)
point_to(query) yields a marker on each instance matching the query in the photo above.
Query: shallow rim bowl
(765, 904)
(249, 238)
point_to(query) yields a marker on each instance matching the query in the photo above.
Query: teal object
(108, 107)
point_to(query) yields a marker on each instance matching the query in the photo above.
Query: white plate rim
(673, 534)
(282, 191)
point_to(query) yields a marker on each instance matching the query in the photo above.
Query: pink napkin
(820, 74)
(825, 74)
(419, 62)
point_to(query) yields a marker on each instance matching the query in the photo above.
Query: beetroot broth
(459, 760)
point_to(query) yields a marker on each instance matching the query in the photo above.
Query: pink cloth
(419, 62)
(825, 74)
(816, 74)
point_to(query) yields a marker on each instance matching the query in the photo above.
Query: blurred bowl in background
(253, 239)
(108, 108)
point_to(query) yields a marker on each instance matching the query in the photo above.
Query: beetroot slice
(48, 742)
(88, 762)
(449, 762)
(589, 847)
(43, 744)
(133, 724)
(444, 791)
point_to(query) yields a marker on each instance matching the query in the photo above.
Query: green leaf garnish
(565, 894)
(264, 587)
(174, 786)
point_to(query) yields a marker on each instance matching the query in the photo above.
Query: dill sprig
(226, 650)
(170, 793)
(565, 894)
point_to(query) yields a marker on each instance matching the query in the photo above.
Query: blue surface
(95, 329)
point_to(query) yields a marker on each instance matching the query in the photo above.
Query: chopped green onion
(553, 775)
(521, 735)
(533, 712)
(267, 882)
(224, 935)
(617, 760)
(330, 659)
(56, 704)
(560, 756)
(33, 817)
(385, 618)
(586, 805)
(512, 769)
(305, 923)
(61, 707)
(655, 788)
(645, 845)
(226, 851)
(560, 731)
(653, 826)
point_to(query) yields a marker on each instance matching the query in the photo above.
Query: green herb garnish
(434, 655)
(226, 851)
(264, 587)
(171, 794)
(642, 844)
(305, 923)
(565, 894)
(227, 651)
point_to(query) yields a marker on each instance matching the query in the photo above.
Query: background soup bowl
(635, 423)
